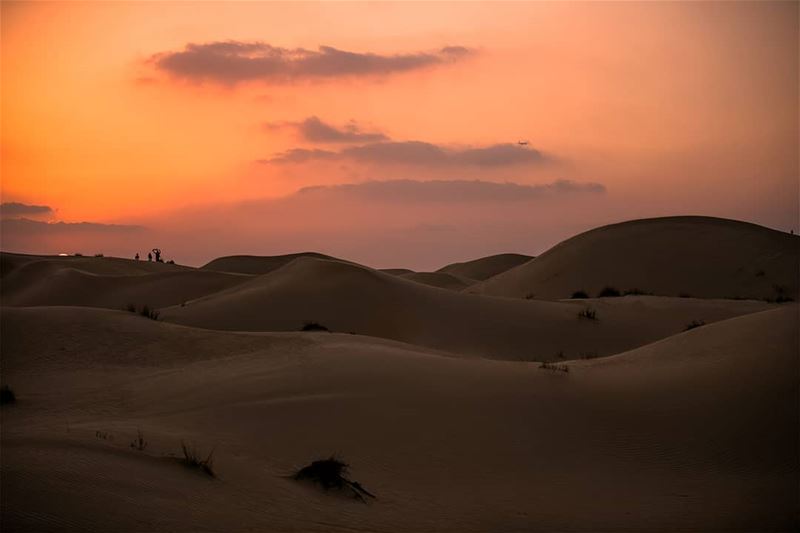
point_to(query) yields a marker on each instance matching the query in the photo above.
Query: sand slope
(486, 267)
(41, 265)
(107, 282)
(696, 432)
(350, 298)
(699, 256)
(440, 279)
(256, 264)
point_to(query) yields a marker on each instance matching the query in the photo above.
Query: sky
(392, 134)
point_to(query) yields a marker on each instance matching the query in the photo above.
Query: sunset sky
(387, 133)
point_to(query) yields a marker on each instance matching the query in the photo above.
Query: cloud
(300, 155)
(235, 61)
(27, 226)
(16, 210)
(420, 153)
(452, 191)
(315, 130)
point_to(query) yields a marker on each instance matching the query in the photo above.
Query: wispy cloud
(419, 153)
(313, 129)
(452, 191)
(17, 209)
(236, 61)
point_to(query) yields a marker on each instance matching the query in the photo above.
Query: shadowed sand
(697, 431)
(436, 397)
(701, 257)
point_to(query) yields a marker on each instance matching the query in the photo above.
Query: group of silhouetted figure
(155, 253)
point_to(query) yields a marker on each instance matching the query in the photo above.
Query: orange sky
(673, 107)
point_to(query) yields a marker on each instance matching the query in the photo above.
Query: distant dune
(255, 264)
(485, 267)
(695, 432)
(697, 256)
(350, 298)
(440, 279)
(396, 271)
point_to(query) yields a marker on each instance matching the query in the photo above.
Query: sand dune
(695, 432)
(42, 265)
(109, 282)
(255, 264)
(485, 267)
(440, 279)
(350, 298)
(699, 256)
(396, 271)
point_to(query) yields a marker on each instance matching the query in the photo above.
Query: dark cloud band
(236, 61)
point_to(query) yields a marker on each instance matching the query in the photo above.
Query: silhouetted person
(149, 256)
(157, 251)
(137, 256)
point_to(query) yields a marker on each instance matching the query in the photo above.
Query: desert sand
(692, 256)
(436, 397)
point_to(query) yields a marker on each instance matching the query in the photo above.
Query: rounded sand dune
(257, 264)
(349, 298)
(485, 267)
(701, 257)
(695, 432)
(439, 279)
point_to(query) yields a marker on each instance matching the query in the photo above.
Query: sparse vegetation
(313, 326)
(7, 395)
(331, 473)
(636, 292)
(146, 312)
(781, 295)
(555, 367)
(694, 324)
(684, 295)
(193, 459)
(588, 355)
(139, 443)
(530, 296)
(98, 255)
(579, 295)
(130, 308)
(588, 313)
(608, 292)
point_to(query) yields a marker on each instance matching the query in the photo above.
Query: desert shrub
(139, 443)
(170, 262)
(781, 295)
(636, 292)
(684, 295)
(193, 459)
(588, 313)
(694, 324)
(579, 295)
(7, 395)
(608, 292)
(146, 312)
(331, 473)
(76, 254)
(554, 367)
(313, 326)
(588, 355)
(530, 296)
(98, 255)
(130, 308)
